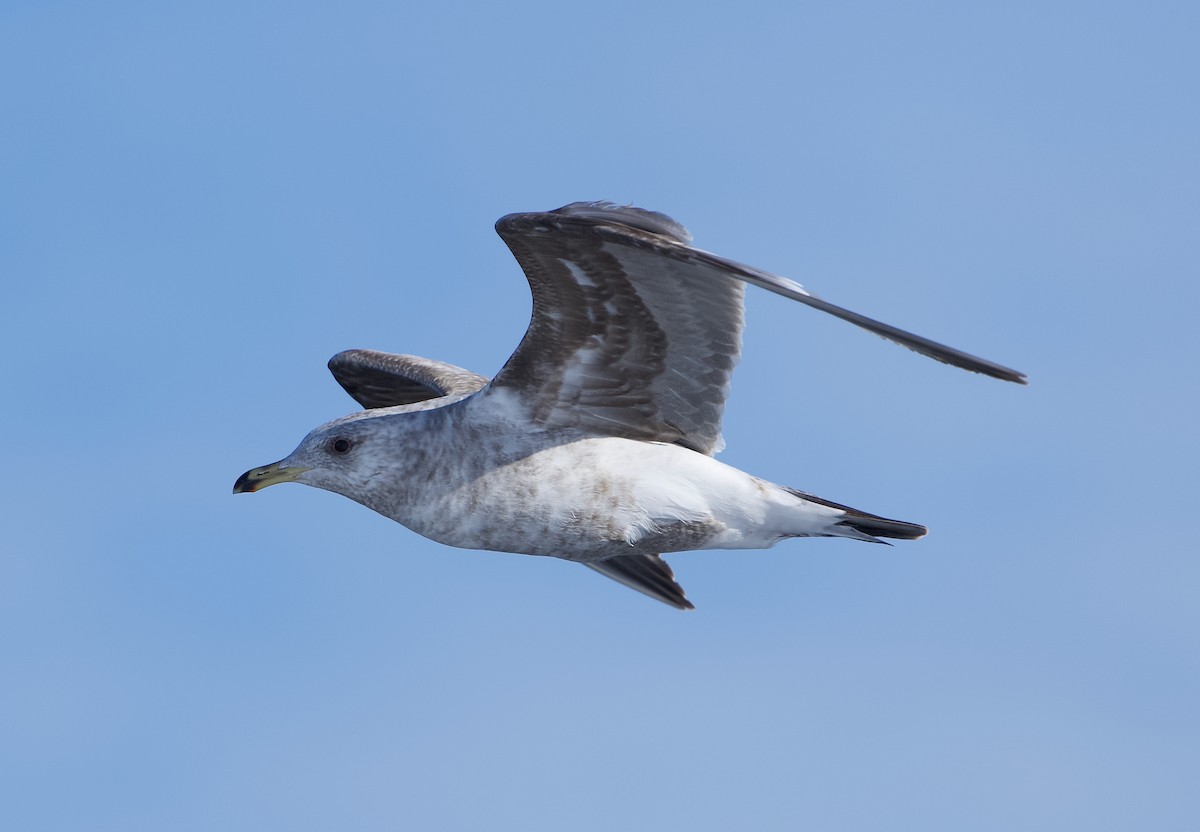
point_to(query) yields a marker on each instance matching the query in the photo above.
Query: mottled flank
(594, 442)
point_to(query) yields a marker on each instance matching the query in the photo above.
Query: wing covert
(622, 341)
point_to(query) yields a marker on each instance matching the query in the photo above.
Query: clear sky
(200, 203)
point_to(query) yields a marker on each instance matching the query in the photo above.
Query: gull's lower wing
(648, 574)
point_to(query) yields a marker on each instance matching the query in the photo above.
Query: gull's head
(340, 456)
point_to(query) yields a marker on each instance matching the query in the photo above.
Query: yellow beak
(259, 478)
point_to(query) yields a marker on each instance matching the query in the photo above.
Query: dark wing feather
(635, 333)
(916, 343)
(380, 379)
(623, 341)
(648, 574)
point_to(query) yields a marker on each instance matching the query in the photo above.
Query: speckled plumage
(594, 443)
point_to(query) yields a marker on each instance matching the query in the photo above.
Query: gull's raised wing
(381, 379)
(635, 333)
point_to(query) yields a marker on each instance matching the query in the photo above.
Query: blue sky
(200, 204)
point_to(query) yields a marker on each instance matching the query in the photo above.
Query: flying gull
(595, 441)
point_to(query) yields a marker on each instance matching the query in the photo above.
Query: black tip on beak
(244, 484)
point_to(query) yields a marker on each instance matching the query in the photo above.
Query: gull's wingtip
(970, 363)
(996, 371)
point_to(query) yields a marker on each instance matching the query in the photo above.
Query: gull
(595, 442)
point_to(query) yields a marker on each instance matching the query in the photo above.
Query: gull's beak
(257, 478)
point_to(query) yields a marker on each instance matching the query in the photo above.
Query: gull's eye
(340, 445)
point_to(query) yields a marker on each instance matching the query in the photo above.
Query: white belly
(598, 497)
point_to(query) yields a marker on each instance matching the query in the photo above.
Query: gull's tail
(868, 526)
